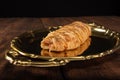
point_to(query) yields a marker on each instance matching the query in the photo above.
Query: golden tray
(25, 48)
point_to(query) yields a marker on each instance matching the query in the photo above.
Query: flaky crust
(68, 37)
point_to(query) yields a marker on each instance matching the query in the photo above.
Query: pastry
(68, 37)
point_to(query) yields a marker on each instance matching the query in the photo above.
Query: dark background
(58, 8)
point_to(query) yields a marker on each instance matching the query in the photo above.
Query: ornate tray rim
(65, 60)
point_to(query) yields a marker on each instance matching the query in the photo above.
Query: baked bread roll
(68, 37)
(67, 53)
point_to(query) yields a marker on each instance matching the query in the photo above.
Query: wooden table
(107, 68)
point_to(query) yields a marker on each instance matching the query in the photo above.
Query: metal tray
(25, 48)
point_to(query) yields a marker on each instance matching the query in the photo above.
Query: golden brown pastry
(68, 37)
(67, 53)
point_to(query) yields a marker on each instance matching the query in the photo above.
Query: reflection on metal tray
(26, 48)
